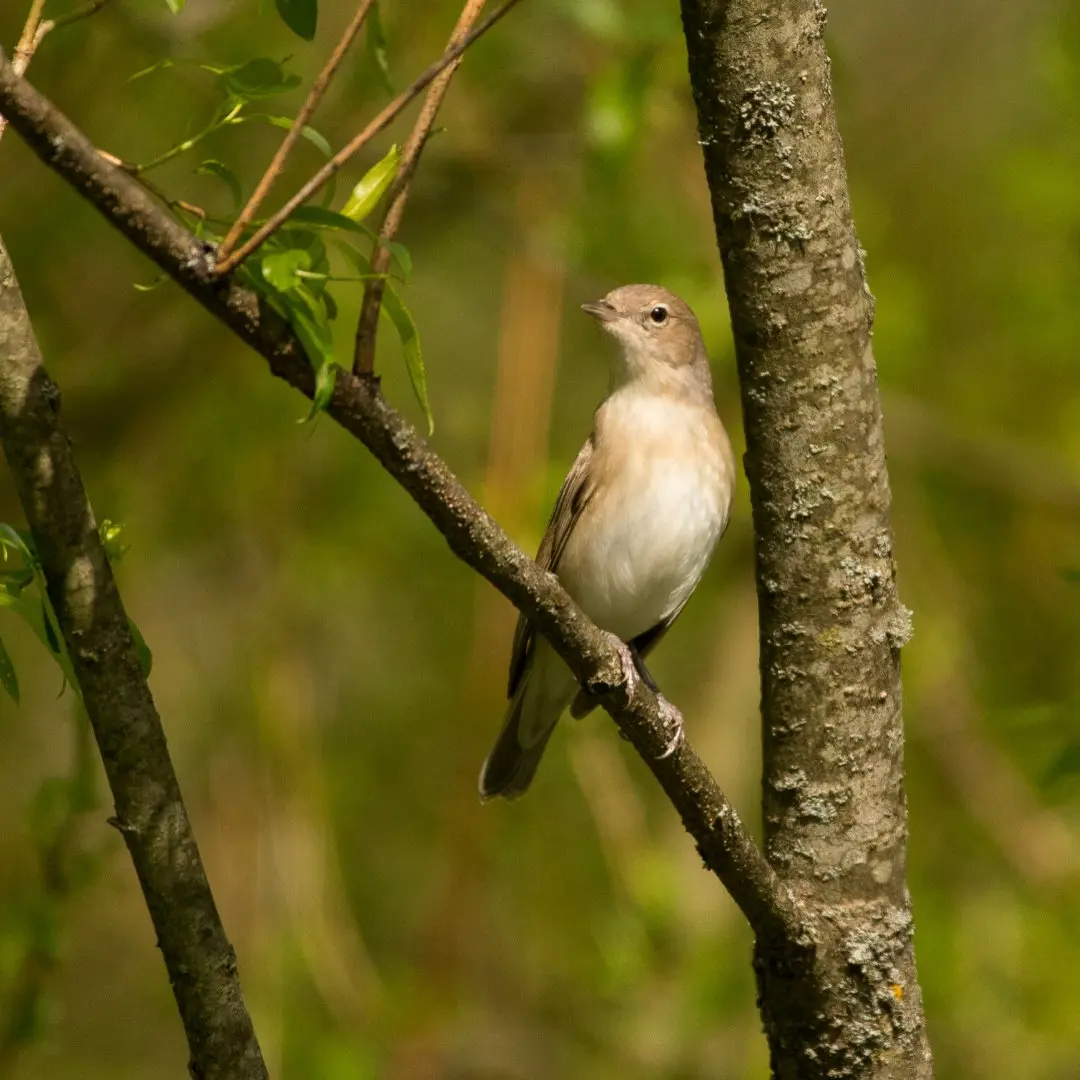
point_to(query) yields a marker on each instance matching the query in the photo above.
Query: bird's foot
(626, 661)
(672, 720)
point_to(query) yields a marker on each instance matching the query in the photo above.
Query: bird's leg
(643, 671)
(626, 659)
(672, 719)
(670, 716)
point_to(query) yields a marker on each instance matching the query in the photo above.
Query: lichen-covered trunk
(831, 623)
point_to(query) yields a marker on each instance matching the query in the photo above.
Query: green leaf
(401, 317)
(28, 610)
(34, 613)
(280, 269)
(318, 343)
(325, 380)
(307, 314)
(226, 175)
(11, 538)
(161, 65)
(376, 46)
(305, 240)
(258, 78)
(300, 16)
(8, 678)
(14, 581)
(111, 534)
(146, 657)
(308, 132)
(51, 638)
(401, 256)
(175, 6)
(327, 219)
(373, 186)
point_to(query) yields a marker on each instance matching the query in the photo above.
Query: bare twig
(315, 184)
(36, 29)
(273, 170)
(24, 48)
(49, 25)
(150, 812)
(28, 39)
(367, 326)
(723, 841)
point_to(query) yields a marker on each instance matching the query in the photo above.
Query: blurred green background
(330, 676)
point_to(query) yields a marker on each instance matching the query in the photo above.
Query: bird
(634, 526)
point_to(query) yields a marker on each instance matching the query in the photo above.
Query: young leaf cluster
(293, 269)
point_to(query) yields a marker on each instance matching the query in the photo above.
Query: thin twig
(28, 39)
(724, 843)
(367, 326)
(273, 170)
(49, 25)
(24, 49)
(314, 185)
(37, 29)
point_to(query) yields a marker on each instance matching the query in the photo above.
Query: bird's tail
(531, 717)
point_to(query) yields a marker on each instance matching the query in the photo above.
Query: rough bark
(726, 847)
(831, 624)
(150, 813)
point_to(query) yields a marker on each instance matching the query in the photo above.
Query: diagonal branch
(150, 813)
(367, 326)
(358, 142)
(725, 845)
(273, 170)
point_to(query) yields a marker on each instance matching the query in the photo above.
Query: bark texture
(831, 623)
(150, 813)
(726, 847)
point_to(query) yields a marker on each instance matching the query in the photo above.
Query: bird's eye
(659, 315)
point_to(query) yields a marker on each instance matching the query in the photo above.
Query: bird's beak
(602, 310)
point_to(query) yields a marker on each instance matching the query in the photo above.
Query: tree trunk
(831, 623)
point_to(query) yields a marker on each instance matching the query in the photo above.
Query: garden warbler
(635, 523)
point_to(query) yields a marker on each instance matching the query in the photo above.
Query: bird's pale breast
(663, 477)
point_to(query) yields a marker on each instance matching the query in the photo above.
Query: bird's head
(658, 333)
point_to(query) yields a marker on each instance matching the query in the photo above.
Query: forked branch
(358, 142)
(315, 95)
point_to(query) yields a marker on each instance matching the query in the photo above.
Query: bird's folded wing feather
(576, 492)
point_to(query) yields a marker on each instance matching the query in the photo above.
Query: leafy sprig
(292, 271)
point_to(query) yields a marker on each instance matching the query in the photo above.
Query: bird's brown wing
(574, 496)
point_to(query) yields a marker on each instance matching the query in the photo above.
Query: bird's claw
(670, 717)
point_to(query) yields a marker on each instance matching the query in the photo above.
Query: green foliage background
(330, 677)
